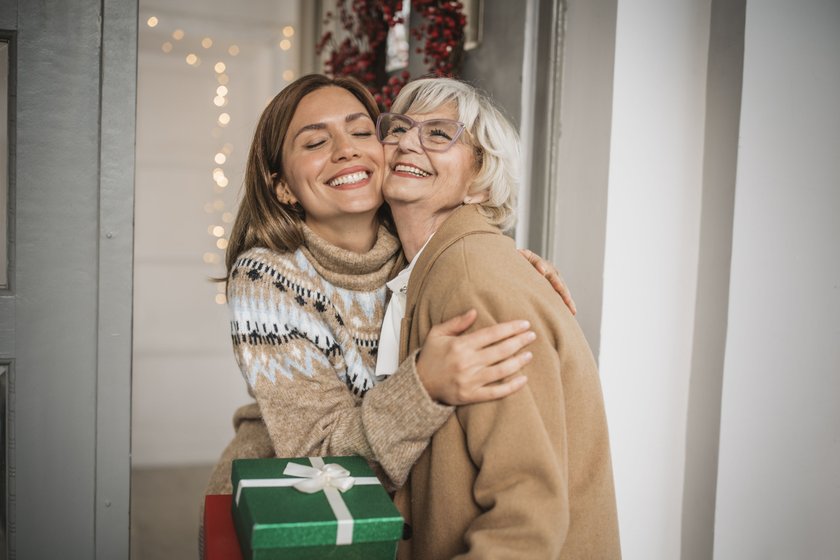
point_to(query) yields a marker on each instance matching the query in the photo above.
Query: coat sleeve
(306, 406)
(517, 444)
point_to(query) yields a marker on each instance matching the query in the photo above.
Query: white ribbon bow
(317, 479)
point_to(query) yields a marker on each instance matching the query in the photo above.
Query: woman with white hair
(528, 476)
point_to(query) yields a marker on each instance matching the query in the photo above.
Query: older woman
(528, 476)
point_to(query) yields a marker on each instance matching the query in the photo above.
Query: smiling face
(432, 183)
(333, 161)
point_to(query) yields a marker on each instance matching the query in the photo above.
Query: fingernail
(524, 325)
(531, 336)
(528, 356)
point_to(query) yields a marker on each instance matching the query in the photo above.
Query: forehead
(326, 104)
(445, 111)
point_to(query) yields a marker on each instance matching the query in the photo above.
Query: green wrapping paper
(279, 523)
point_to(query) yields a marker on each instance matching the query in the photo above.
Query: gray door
(65, 310)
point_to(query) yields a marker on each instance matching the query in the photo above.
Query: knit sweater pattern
(305, 329)
(288, 320)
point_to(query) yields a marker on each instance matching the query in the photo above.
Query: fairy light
(166, 47)
(285, 44)
(288, 31)
(222, 79)
(218, 231)
(152, 21)
(192, 59)
(233, 50)
(219, 101)
(178, 34)
(224, 120)
(222, 91)
(220, 158)
(207, 42)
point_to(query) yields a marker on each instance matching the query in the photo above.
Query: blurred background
(680, 168)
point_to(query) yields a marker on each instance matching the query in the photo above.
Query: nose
(345, 148)
(410, 141)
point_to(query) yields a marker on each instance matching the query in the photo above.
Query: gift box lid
(284, 517)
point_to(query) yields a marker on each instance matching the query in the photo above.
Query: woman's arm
(550, 272)
(309, 410)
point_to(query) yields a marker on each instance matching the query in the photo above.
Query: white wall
(186, 384)
(650, 268)
(778, 486)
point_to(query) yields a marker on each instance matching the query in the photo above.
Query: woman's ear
(477, 198)
(284, 193)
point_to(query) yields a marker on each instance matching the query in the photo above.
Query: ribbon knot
(317, 479)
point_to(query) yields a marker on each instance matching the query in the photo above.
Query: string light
(222, 79)
(220, 157)
(152, 21)
(221, 90)
(192, 59)
(218, 231)
(178, 34)
(224, 119)
(233, 50)
(207, 42)
(285, 44)
(166, 47)
(288, 31)
(219, 67)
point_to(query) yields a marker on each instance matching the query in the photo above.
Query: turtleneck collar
(348, 269)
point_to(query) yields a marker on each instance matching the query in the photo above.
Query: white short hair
(496, 140)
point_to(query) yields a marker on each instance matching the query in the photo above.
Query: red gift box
(220, 541)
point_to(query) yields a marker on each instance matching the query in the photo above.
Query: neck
(415, 226)
(353, 232)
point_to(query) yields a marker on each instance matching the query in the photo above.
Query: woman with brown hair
(309, 255)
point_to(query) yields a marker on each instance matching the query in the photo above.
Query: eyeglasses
(436, 135)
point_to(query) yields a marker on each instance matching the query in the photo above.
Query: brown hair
(262, 220)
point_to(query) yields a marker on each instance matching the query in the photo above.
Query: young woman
(307, 262)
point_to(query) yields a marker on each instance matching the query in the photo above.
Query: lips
(412, 170)
(349, 178)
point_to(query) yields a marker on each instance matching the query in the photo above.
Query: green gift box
(308, 508)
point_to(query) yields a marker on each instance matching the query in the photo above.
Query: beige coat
(528, 476)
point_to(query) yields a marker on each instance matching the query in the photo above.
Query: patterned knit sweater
(305, 329)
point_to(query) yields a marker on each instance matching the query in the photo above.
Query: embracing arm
(307, 407)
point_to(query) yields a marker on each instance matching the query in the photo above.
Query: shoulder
(260, 264)
(482, 259)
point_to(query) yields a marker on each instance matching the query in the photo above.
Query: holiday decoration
(362, 51)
